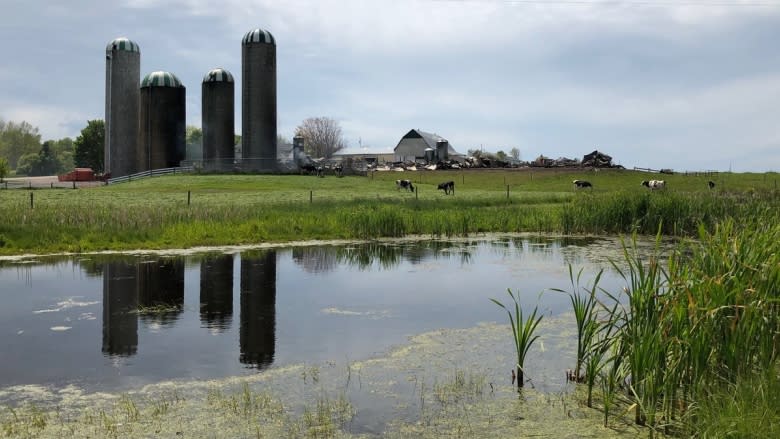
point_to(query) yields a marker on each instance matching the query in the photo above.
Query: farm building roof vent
(218, 75)
(161, 79)
(258, 36)
(124, 44)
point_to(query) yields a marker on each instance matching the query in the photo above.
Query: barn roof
(415, 142)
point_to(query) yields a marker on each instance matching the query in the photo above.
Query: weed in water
(522, 332)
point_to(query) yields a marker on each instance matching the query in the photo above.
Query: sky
(690, 85)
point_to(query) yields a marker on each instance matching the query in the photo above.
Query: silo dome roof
(259, 36)
(160, 79)
(123, 43)
(218, 75)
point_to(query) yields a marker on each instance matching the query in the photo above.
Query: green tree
(63, 149)
(47, 162)
(25, 164)
(4, 168)
(237, 150)
(89, 145)
(194, 142)
(323, 136)
(18, 139)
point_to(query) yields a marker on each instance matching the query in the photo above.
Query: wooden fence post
(188, 198)
(311, 197)
(31, 200)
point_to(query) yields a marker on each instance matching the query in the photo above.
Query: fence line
(149, 173)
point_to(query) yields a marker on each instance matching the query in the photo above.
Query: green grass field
(193, 210)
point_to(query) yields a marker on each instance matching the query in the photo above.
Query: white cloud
(554, 78)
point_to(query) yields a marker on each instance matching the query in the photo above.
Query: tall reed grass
(690, 327)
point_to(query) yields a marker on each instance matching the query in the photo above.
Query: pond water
(112, 323)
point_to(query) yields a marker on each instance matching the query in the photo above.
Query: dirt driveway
(49, 181)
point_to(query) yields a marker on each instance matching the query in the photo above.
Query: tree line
(22, 151)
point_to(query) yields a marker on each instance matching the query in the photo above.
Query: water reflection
(120, 305)
(153, 289)
(214, 314)
(376, 255)
(161, 290)
(257, 337)
(216, 292)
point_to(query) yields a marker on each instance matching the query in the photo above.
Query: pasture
(194, 210)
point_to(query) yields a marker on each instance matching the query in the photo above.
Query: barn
(414, 144)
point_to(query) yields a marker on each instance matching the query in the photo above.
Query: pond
(112, 323)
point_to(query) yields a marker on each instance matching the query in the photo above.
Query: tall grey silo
(258, 100)
(123, 72)
(162, 127)
(218, 119)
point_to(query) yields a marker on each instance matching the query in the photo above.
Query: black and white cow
(312, 169)
(654, 184)
(448, 187)
(711, 184)
(404, 184)
(580, 184)
(309, 169)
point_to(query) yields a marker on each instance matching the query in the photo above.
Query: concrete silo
(218, 119)
(258, 100)
(123, 72)
(162, 122)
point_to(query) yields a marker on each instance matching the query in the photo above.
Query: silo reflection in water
(216, 292)
(161, 290)
(257, 337)
(120, 305)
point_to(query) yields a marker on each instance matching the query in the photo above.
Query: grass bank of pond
(205, 210)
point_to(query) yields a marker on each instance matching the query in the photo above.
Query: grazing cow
(654, 184)
(338, 170)
(404, 184)
(711, 184)
(308, 168)
(312, 169)
(447, 187)
(579, 184)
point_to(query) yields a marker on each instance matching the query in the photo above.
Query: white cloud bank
(685, 85)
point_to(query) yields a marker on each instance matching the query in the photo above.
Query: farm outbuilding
(413, 145)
